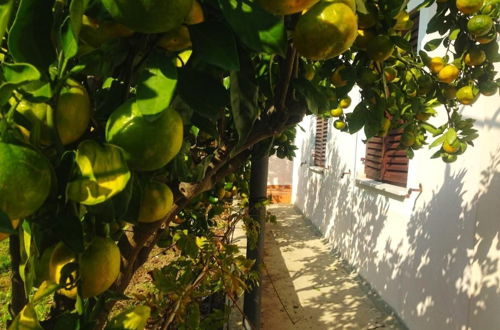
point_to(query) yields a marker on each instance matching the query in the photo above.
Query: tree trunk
(258, 194)
(18, 295)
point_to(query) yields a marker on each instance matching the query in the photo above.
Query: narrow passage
(306, 287)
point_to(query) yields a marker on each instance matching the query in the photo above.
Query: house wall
(435, 256)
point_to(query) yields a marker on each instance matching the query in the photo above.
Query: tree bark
(257, 210)
(18, 296)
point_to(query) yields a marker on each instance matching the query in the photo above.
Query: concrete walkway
(306, 287)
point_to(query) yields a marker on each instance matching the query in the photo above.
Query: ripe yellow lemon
(336, 77)
(60, 257)
(339, 124)
(466, 95)
(448, 74)
(337, 112)
(345, 102)
(72, 114)
(450, 148)
(436, 64)
(469, 6)
(475, 57)
(99, 266)
(15, 224)
(176, 40)
(326, 30)
(285, 7)
(157, 200)
(403, 21)
(195, 15)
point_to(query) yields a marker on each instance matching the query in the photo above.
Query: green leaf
(6, 224)
(30, 36)
(102, 173)
(361, 7)
(437, 141)
(44, 290)
(257, 28)
(244, 100)
(68, 41)
(5, 12)
(26, 319)
(316, 100)
(433, 44)
(357, 118)
(451, 136)
(131, 319)
(401, 43)
(454, 34)
(203, 93)
(76, 11)
(156, 85)
(215, 44)
(193, 316)
(19, 73)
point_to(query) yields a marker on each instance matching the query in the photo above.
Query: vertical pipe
(257, 210)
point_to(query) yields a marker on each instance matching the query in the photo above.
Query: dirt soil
(307, 287)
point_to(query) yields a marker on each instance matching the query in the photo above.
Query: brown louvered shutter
(320, 141)
(415, 17)
(384, 162)
(395, 161)
(374, 157)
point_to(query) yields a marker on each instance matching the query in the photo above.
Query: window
(415, 17)
(319, 154)
(384, 162)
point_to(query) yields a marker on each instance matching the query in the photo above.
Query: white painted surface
(280, 172)
(434, 257)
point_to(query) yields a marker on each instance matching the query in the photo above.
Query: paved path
(316, 290)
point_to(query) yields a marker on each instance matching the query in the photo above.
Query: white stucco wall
(434, 257)
(280, 172)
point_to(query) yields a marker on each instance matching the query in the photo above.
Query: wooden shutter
(320, 141)
(384, 162)
(415, 17)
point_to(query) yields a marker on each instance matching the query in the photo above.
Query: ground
(305, 286)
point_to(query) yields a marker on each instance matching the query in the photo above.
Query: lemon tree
(127, 126)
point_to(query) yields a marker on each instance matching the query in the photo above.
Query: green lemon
(480, 25)
(25, 180)
(149, 16)
(148, 144)
(285, 7)
(325, 31)
(102, 173)
(157, 200)
(99, 267)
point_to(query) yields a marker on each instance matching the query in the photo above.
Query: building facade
(430, 249)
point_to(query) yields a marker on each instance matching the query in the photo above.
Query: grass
(4, 283)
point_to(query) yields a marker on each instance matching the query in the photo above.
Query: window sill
(383, 187)
(317, 169)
